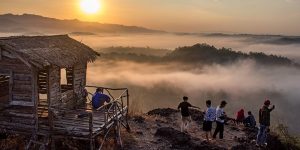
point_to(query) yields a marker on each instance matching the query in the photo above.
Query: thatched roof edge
(59, 50)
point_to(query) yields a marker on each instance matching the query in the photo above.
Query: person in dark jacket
(264, 121)
(185, 113)
(250, 120)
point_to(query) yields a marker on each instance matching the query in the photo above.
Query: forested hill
(196, 54)
(207, 54)
(135, 50)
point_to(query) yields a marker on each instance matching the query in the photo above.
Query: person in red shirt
(240, 116)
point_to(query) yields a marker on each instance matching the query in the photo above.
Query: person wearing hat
(264, 121)
(220, 120)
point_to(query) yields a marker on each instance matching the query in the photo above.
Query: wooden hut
(32, 82)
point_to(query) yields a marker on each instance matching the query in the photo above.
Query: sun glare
(90, 6)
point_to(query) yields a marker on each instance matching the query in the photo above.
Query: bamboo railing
(88, 123)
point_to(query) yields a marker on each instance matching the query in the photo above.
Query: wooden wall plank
(54, 94)
(21, 103)
(79, 80)
(7, 54)
(13, 64)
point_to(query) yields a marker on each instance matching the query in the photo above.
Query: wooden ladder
(39, 139)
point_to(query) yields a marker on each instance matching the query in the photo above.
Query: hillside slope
(208, 54)
(29, 23)
(160, 129)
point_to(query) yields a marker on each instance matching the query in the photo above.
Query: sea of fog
(172, 41)
(244, 84)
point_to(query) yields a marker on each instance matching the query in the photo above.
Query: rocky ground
(159, 129)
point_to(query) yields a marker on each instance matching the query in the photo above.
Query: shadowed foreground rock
(138, 119)
(196, 115)
(164, 112)
(177, 137)
(180, 140)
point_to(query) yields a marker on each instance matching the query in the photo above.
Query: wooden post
(92, 145)
(122, 103)
(35, 96)
(127, 94)
(119, 135)
(85, 70)
(105, 115)
(0, 54)
(48, 88)
(50, 116)
(126, 117)
(11, 80)
(114, 109)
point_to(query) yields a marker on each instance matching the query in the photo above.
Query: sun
(90, 6)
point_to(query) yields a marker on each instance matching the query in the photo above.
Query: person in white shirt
(220, 119)
(209, 118)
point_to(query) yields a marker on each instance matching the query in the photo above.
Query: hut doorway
(66, 79)
(4, 89)
(43, 102)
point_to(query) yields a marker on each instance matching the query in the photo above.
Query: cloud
(243, 84)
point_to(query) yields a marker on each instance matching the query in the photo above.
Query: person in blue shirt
(99, 98)
(209, 118)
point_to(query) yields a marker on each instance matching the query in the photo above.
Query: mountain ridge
(36, 23)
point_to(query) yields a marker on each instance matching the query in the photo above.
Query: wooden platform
(83, 123)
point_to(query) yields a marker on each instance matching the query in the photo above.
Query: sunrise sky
(230, 16)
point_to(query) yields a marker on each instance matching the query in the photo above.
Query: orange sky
(231, 16)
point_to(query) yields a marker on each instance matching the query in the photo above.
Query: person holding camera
(220, 120)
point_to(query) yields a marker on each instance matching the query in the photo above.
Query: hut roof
(41, 51)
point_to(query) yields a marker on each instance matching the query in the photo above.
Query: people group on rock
(218, 115)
